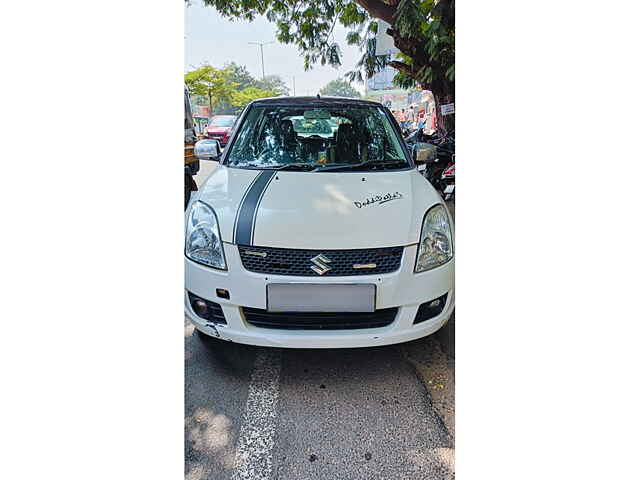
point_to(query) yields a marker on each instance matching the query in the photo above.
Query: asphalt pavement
(371, 413)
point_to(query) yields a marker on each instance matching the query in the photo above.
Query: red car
(219, 128)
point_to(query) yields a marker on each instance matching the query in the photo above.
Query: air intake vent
(319, 320)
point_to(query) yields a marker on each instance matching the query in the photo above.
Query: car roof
(318, 101)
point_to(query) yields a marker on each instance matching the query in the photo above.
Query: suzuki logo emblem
(320, 264)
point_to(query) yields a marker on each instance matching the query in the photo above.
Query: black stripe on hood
(247, 211)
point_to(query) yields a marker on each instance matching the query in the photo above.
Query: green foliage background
(423, 30)
(229, 89)
(339, 88)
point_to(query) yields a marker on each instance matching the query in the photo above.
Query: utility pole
(261, 52)
(294, 85)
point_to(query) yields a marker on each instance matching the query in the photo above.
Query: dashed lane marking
(257, 434)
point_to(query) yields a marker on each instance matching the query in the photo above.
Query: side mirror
(207, 150)
(425, 153)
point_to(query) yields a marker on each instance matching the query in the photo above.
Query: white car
(324, 240)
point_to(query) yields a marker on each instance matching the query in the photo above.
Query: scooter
(447, 183)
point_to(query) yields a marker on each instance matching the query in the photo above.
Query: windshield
(341, 137)
(222, 121)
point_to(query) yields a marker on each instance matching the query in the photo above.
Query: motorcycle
(447, 184)
(434, 155)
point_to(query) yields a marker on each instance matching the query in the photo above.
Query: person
(402, 119)
(421, 120)
(413, 117)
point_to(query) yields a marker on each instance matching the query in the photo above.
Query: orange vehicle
(191, 162)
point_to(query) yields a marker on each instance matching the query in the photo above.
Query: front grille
(296, 262)
(213, 312)
(319, 320)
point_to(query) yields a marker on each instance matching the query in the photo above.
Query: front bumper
(403, 289)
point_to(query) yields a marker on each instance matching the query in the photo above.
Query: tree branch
(408, 70)
(378, 9)
(407, 46)
(402, 67)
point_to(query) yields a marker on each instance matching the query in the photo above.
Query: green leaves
(339, 88)
(243, 97)
(451, 73)
(409, 18)
(353, 38)
(424, 31)
(272, 84)
(231, 86)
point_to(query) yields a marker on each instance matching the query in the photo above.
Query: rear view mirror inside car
(317, 114)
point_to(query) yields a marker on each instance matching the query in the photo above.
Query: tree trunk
(443, 90)
(445, 123)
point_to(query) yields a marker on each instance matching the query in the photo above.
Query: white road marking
(257, 433)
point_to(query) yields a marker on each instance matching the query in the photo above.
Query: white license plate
(311, 297)
(449, 189)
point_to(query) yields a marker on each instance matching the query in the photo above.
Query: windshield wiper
(367, 164)
(294, 166)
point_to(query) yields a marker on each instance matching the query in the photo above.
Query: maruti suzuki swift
(317, 231)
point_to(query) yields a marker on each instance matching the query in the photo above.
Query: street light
(261, 52)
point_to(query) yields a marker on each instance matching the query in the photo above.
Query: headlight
(203, 243)
(436, 243)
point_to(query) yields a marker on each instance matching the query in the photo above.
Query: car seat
(347, 144)
(289, 140)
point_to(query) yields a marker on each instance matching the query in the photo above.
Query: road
(374, 413)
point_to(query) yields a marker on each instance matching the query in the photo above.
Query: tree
(212, 83)
(226, 89)
(339, 88)
(243, 97)
(240, 75)
(274, 83)
(422, 30)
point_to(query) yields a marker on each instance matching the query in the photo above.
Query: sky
(209, 38)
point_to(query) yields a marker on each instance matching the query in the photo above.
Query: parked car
(219, 128)
(318, 239)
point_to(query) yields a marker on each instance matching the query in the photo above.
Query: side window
(243, 145)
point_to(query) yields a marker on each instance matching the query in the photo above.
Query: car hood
(340, 210)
